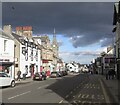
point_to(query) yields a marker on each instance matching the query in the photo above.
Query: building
(7, 51)
(55, 48)
(46, 54)
(106, 60)
(27, 52)
(116, 23)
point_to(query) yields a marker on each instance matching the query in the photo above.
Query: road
(82, 88)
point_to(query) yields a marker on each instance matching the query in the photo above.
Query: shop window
(5, 45)
(36, 68)
(26, 69)
(16, 65)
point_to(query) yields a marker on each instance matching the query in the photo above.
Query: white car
(6, 80)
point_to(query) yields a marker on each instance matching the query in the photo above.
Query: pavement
(27, 80)
(110, 86)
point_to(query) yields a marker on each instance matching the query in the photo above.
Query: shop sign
(45, 61)
(110, 60)
(4, 60)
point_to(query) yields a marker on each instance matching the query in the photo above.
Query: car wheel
(13, 84)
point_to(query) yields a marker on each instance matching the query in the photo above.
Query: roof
(5, 35)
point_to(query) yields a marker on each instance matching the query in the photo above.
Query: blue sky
(85, 54)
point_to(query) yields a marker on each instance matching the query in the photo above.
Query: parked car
(6, 80)
(55, 74)
(64, 72)
(37, 76)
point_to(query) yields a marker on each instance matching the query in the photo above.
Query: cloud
(92, 20)
(78, 56)
(80, 53)
(60, 43)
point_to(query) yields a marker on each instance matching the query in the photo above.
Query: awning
(45, 61)
(6, 63)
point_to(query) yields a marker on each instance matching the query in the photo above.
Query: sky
(83, 29)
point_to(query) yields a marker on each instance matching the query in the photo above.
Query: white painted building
(7, 53)
(29, 60)
(73, 67)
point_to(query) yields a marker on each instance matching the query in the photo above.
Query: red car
(37, 76)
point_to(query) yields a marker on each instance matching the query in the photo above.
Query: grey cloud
(92, 20)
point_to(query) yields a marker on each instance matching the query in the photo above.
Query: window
(16, 65)
(36, 68)
(5, 45)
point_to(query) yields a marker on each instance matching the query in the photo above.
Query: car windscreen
(3, 75)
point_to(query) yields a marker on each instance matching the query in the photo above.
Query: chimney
(19, 30)
(7, 29)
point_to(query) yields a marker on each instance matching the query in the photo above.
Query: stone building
(55, 48)
(46, 54)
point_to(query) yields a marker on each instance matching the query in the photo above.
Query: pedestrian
(107, 73)
(113, 73)
(18, 75)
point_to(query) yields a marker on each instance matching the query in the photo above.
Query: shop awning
(45, 61)
(6, 63)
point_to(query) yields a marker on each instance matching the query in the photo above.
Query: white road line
(83, 96)
(60, 101)
(79, 95)
(66, 96)
(87, 96)
(93, 96)
(43, 86)
(18, 95)
(39, 87)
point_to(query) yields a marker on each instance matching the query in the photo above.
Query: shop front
(6, 65)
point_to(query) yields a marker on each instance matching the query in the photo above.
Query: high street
(82, 88)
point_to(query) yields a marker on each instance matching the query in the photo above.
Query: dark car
(64, 73)
(37, 76)
(55, 74)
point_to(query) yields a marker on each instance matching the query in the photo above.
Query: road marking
(93, 97)
(43, 86)
(87, 96)
(83, 96)
(87, 87)
(39, 87)
(60, 101)
(71, 92)
(84, 102)
(66, 96)
(79, 95)
(19, 95)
